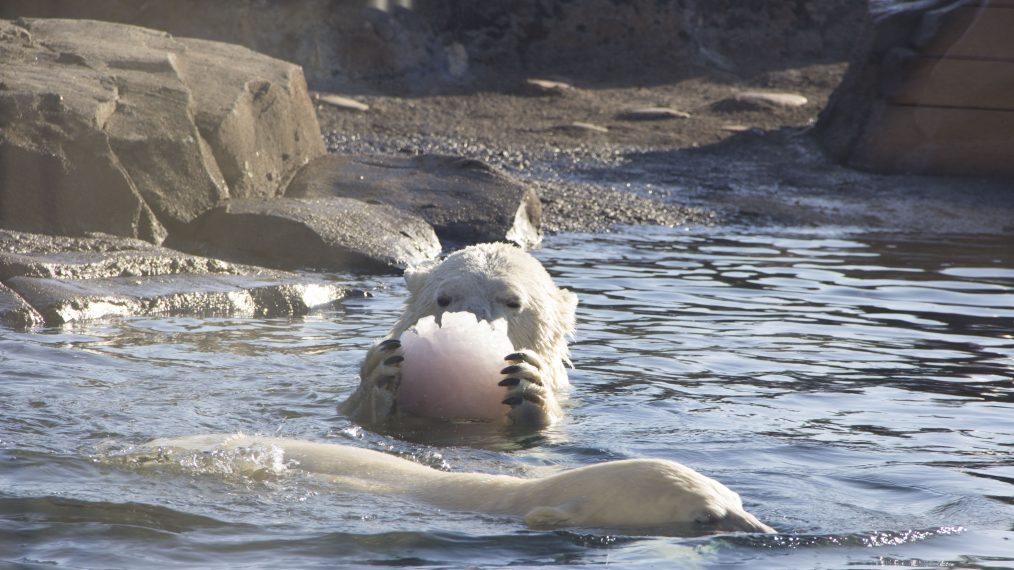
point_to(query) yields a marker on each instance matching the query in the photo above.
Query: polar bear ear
(568, 308)
(416, 277)
(547, 517)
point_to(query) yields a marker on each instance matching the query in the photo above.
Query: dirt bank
(724, 161)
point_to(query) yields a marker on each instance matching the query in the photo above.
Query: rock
(329, 233)
(464, 200)
(335, 42)
(131, 132)
(653, 114)
(745, 37)
(16, 312)
(760, 101)
(255, 113)
(341, 102)
(61, 301)
(98, 256)
(414, 43)
(579, 127)
(52, 143)
(55, 280)
(547, 87)
(457, 60)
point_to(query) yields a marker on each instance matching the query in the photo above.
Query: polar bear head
(494, 281)
(642, 493)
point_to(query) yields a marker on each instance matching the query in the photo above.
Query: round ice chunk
(452, 371)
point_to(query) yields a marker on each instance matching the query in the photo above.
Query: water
(856, 390)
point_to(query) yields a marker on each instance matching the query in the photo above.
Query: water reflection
(796, 313)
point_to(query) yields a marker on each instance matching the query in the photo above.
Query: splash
(258, 462)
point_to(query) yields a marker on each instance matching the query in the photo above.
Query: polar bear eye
(443, 300)
(707, 518)
(513, 304)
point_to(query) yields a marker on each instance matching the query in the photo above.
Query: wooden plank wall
(954, 113)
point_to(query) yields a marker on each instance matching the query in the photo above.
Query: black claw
(513, 368)
(509, 382)
(520, 357)
(392, 360)
(533, 398)
(390, 344)
(512, 401)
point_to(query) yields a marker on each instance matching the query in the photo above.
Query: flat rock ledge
(325, 233)
(49, 281)
(465, 200)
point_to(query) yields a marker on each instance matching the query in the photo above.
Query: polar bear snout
(641, 493)
(740, 522)
(482, 310)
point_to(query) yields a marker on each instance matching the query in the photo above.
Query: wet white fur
(493, 281)
(645, 493)
(483, 279)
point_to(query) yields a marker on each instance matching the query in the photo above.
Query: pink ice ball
(452, 371)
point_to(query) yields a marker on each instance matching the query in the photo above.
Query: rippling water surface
(856, 390)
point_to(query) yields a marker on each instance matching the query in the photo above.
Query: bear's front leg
(376, 398)
(530, 402)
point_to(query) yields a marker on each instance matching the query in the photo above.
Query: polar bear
(646, 494)
(492, 281)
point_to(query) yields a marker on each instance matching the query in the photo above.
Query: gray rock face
(56, 280)
(434, 41)
(15, 311)
(60, 302)
(96, 257)
(464, 200)
(131, 132)
(53, 139)
(255, 113)
(333, 41)
(332, 233)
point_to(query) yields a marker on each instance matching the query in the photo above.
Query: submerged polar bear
(493, 281)
(636, 493)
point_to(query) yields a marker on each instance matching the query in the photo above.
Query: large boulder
(465, 200)
(255, 113)
(335, 42)
(132, 132)
(54, 280)
(53, 111)
(323, 233)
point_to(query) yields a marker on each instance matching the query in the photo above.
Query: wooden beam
(978, 32)
(977, 84)
(936, 140)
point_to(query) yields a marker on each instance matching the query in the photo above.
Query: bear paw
(531, 404)
(386, 374)
(376, 398)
